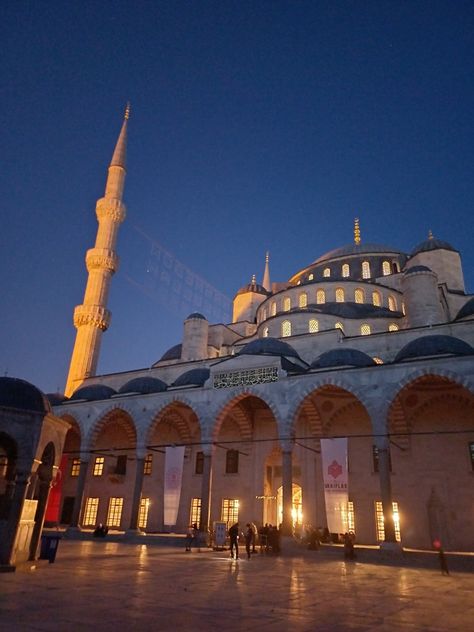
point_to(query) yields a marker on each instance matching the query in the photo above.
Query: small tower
(266, 274)
(195, 338)
(247, 300)
(92, 317)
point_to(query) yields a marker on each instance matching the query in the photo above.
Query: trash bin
(49, 547)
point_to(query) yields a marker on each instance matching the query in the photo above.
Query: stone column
(44, 487)
(287, 483)
(206, 486)
(137, 495)
(9, 529)
(383, 446)
(81, 484)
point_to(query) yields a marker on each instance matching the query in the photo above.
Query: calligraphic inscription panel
(247, 377)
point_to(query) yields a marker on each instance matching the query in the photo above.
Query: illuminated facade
(367, 342)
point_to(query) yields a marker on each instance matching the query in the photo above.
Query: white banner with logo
(174, 459)
(335, 477)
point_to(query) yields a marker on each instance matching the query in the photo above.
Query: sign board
(220, 533)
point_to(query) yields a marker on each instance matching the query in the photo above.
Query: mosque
(342, 398)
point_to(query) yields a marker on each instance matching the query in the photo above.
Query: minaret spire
(92, 318)
(266, 274)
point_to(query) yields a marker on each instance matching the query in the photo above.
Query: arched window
(286, 304)
(345, 270)
(403, 309)
(339, 295)
(303, 300)
(298, 282)
(264, 314)
(311, 277)
(359, 295)
(365, 270)
(386, 268)
(376, 300)
(285, 329)
(339, 326)
(326, 272)
(392, 303)
(377, 360)
(273, 308)
(365, 329)
(393, 327)
(320, 297)
(265, 332)
(232, 462)
(395, 267)
(313, 326)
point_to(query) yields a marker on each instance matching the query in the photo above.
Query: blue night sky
(255, 125)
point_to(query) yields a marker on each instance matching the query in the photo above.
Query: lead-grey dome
(253, 287)
(466, 310)
(173, 353)
(434, 345)
(16, 393)
(144, 385)
(355, 249)
(432, 244)
(194, 377)
(268, 346)
(56, 399)
(196, 315)
(350, 309)
(342, 357)
(414, 269)
(94, 392)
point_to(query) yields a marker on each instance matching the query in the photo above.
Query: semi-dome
(434, 345)
(356, 249)
(173, 353)
(432, 244)
(466, 310)
(16, 393)
(268, 346)
(196, 315)
(194, 377)
(56, 399)
(144, 385)
(415, 269)
(342, 357)
(94, 392)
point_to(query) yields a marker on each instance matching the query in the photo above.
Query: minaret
(92, 317)
(266, 274)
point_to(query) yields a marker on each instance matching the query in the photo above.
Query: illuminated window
(386, 268)
(3, 462)
(303, 300)
(375, 459)
(403, 309)
(195, 513)
(98, 466)
(392, 304)
(298, 282)
(376, 300)
(471, 453)
(199, 467)
(320, 297)
(311, 277)
(264, 314)
(393, 327)
(326, 272)
(143, 513)
(265, 332)
(339, 326)
(345, 270)
(313, 326)
(273, 308)
(380, 523)
(75, 467)
(232, 462)
(90, 512)
(365, 270)
(348, 518)
(114, 515)
(230, 511)
(377, 360)
(359, 296)
(286, 304)
(147, 464)
(365, 330)
(339, 295)
(285, 329)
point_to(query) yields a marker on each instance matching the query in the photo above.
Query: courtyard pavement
(112, 586)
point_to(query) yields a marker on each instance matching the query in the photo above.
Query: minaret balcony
(113, 208)
(102, 258)
(94, 315)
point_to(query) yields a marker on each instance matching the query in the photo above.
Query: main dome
(355, 249)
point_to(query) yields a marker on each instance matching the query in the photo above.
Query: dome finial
(127, 111)
(254, 279)
(430, 234)
(356, 231)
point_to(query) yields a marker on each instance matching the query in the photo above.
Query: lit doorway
(297, 506)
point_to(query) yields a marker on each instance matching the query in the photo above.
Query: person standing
(234, 540)
(249, 539)
(443, 563)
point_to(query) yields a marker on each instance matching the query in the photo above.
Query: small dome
(414, 269)
(144, 385)
(466, 310)
(194, 377)
(196, 315)
(268, 346)
(434, 345)
(342, 357)
(56, 399)
(432, 244)
(93, 393)
(16, 393)
(253, 287)
(173, 353)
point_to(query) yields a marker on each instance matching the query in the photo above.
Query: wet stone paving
(118, 586)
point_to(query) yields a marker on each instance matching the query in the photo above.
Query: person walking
(234, 540)
(249, 538)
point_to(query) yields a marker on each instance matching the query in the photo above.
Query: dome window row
(388, 268)
(313, 328)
